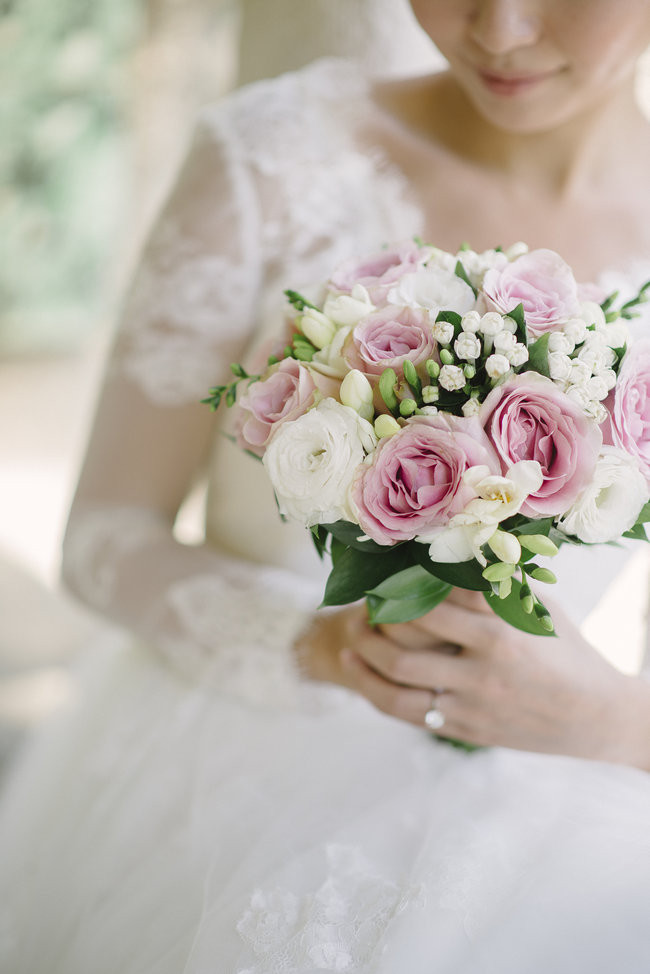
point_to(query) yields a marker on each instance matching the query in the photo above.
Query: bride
(245, 786)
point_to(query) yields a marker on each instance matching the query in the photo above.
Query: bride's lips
(513, 84)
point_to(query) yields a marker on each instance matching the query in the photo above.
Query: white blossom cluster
(581, 360)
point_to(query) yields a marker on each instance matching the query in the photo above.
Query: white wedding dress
(201, 810)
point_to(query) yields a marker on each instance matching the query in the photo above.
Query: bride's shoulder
(298, 111)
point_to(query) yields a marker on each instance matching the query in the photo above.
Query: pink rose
(377, 272)
(415, 481)
(288, 391)
(542, 282)
(385, 339)
(630, 410)
(529, 418)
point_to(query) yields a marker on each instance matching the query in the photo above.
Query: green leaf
(460, 271)
(644, 514)
(355, 573)
(452, 317)
(319, 536)
(517, 315)
(406, 595)
(512, 612)
(637, 533)
(538, 356)
(349, 534)
(462, 574)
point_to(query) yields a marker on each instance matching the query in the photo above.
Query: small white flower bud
(470, 322)
(509, 324)
(452, 378)
(559, 366)
(471, 407)
(429, 410)
(491, 324)
(504, 342)
(467, 346)
(609, 377)
(559, 342)
(616, 334)
(575, 330)
(430, 394)
(579, 394)
(348, 309)
(443, 332)
(596, 388)
(580, 372)
(518, 355)
(497, 366)
(516, 250)
(592, 313)
(596, 410)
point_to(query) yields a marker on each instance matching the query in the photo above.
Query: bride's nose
(500, 26)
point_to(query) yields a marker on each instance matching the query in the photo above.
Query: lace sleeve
(189, 313)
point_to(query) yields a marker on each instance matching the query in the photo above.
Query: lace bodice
(278, 187)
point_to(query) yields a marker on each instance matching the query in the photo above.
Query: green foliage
(538, 356)
(407, 595)
(511, 610)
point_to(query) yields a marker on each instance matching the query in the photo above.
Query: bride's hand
(498, 686)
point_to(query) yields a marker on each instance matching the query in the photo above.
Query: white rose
(611, 503)
(312, 460)
(348, 309)
(467, 346)
(452, 378)
(434, 288)
(497, 366)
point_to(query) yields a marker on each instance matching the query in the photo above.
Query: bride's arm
(188, 315)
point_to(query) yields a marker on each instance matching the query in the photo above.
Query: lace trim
(234, 631)
(337, 927)
(96, 543)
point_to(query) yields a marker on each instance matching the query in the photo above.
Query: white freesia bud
(467, 346)
(505, 546)
(497, 366)
(317, 327)
(471, 407)
(559, 367)
(470, 322)
(452, 378)
(516, 250)
(443, 332)
(575, 330)
(348, 309)
(559, 342)
(611, 502)
(386, 425)
(592, 313)
(356, 392)
(491, 324)
(329, 360)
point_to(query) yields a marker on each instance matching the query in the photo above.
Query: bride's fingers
(405, 703)
(410, 636)
(423, 668)
(454, 623)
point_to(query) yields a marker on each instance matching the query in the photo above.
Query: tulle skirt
(161, 828)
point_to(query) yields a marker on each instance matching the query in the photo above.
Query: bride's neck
(579, 157)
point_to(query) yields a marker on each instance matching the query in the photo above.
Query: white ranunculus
(312, 460)
(348, 309)
(611, 503)
(434, 288)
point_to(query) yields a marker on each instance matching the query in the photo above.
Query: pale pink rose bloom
(529, 418)
(385, 339)
(542, 282)
(289, 390)
(630, 408)
(377, 272)
(415, 481)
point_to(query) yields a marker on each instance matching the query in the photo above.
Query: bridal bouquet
(442, 420)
